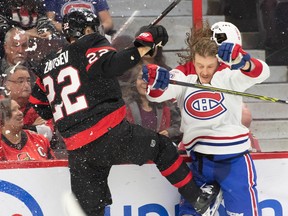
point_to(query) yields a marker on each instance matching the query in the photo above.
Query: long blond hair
(198, 40)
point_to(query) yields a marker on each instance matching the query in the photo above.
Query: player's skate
(206, 198)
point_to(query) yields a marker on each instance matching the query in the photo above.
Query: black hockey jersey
(78, 86)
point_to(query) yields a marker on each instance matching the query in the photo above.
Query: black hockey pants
(124, 144)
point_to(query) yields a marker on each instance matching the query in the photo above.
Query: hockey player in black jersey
(78, 87)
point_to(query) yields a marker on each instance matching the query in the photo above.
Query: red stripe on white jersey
(251, 184)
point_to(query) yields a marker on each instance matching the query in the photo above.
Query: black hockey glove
(153, 36)
(44, 24)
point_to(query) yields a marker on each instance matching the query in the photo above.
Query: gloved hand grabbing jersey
(233, 55)
(153, 36)
(155, 76)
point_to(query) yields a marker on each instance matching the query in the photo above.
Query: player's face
(205, 67)
(16, 120)
(16, 47)
(19, 84)
(141, 85)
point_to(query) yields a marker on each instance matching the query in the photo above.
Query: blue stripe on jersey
(218, 144)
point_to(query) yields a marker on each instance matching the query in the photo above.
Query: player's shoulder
(92, 40)
(43, 63)
(187, 68)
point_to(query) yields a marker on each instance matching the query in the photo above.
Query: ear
(88, 30)
(6, 85)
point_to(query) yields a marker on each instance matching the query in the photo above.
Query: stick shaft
(227, 91)
(164, 13)
(154, 22)
(125, 25)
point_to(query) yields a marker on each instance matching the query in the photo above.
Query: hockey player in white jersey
(211, 121)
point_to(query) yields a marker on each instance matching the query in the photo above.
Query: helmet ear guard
(225, 32)
(75, 23)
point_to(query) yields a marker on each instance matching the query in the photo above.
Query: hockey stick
(227, 91)
(164, 13)
(154, 22)
(125, 25)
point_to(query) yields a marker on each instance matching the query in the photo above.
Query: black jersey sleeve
(39, 101)
(103, 59)
(117, 63)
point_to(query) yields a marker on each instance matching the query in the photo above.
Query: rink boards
(43, 188)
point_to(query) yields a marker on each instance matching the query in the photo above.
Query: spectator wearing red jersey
(18, 85)
(163, 118)
(19, 144)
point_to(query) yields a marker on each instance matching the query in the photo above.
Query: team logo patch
(73, 6)
(171, 74)
(204, 104)
(153, 143)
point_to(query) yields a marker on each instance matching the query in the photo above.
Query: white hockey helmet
(226, 32)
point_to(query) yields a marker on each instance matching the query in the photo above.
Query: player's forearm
(120, 62)
(143, 50)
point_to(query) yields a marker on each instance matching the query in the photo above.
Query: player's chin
(205, 80)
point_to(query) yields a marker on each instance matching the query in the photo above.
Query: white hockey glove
(44, 130)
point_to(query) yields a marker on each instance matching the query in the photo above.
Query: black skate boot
(208, 197)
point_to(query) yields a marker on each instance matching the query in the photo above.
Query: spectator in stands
(18, 86)
(163, 118)
(160, 117)
(19, 144)
(5, 110)
(56, 9)
(16, 44)
(213, 133)
(29, 15)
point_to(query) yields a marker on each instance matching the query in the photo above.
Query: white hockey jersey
(211, 121)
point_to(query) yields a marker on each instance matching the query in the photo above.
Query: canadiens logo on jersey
(76, 5)
(204, 104)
